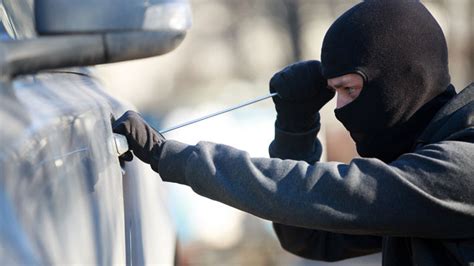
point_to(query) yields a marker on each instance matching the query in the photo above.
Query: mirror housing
(101, 16)
(90, 32)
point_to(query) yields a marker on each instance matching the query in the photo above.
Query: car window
(17, 19)
(6, 29)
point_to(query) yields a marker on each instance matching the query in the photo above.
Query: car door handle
(121, 144)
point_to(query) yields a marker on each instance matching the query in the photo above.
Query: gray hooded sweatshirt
(418, 209)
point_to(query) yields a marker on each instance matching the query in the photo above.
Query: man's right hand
(302, 92)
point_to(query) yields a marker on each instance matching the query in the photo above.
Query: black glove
(143, 140)
(302, 91)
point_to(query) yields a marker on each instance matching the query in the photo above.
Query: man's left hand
(143, 140)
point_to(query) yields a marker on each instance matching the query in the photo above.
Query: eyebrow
(337, 84)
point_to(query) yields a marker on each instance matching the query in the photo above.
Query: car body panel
(150, 232)
(60, 174)
(63, 197)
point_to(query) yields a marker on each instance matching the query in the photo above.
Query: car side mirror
(105, 16)
(89, 32)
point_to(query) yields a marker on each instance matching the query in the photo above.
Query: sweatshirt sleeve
(428, 193)
(311, 243)
(325, 246)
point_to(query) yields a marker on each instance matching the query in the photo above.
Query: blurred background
(228, 57)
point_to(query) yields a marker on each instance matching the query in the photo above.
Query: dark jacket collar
(456, 115)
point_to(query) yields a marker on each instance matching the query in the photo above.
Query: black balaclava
(400, 51)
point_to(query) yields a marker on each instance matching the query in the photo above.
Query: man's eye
(349, 90)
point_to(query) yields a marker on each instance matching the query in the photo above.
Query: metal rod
(163, 131)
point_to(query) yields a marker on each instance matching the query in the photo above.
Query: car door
(65, 198)
(61, 178)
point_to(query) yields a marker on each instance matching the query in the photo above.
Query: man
(411, 196)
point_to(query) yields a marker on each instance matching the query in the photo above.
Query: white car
(65, 198)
